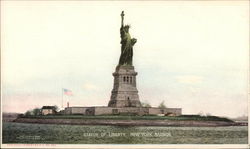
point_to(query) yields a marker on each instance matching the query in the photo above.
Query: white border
(136, 146)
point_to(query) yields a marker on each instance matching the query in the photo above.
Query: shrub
(145, 104)
(162, 105)
(28, 113)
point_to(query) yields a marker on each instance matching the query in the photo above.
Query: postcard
(124, 74)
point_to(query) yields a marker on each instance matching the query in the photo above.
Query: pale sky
(192, 55)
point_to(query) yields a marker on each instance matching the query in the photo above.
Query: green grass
(74, 134)
(124, 117)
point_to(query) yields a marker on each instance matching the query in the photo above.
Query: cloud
(90, 86)
(191, 79)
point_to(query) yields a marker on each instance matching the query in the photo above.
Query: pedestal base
(124, 93)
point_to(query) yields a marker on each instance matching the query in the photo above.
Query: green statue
(126, 57)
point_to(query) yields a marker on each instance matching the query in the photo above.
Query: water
(83, 134)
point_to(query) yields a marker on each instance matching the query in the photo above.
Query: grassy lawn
(76, 134)
(127, 117)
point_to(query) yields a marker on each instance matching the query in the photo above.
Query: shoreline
(168, 123)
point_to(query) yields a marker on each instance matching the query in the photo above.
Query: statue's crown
(127, 26)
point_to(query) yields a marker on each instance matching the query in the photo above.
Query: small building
(48, 110)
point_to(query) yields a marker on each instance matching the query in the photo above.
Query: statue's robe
(126, 49)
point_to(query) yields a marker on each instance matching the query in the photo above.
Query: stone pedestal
(124, 93)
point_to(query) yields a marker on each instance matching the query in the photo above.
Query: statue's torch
(122, 15)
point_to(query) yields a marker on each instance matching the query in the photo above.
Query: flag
(67, 92)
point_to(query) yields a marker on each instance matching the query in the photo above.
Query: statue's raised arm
(122, 15)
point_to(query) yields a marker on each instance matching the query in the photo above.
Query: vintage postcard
(124, 74)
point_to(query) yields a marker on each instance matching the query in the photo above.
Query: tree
(145, 104)
(36, 111)
(28, 113)
(162, 105)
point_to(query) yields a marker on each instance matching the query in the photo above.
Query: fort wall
(122, 110)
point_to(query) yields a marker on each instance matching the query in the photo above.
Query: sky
(191, 55)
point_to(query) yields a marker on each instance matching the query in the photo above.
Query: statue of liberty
(126, 57)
